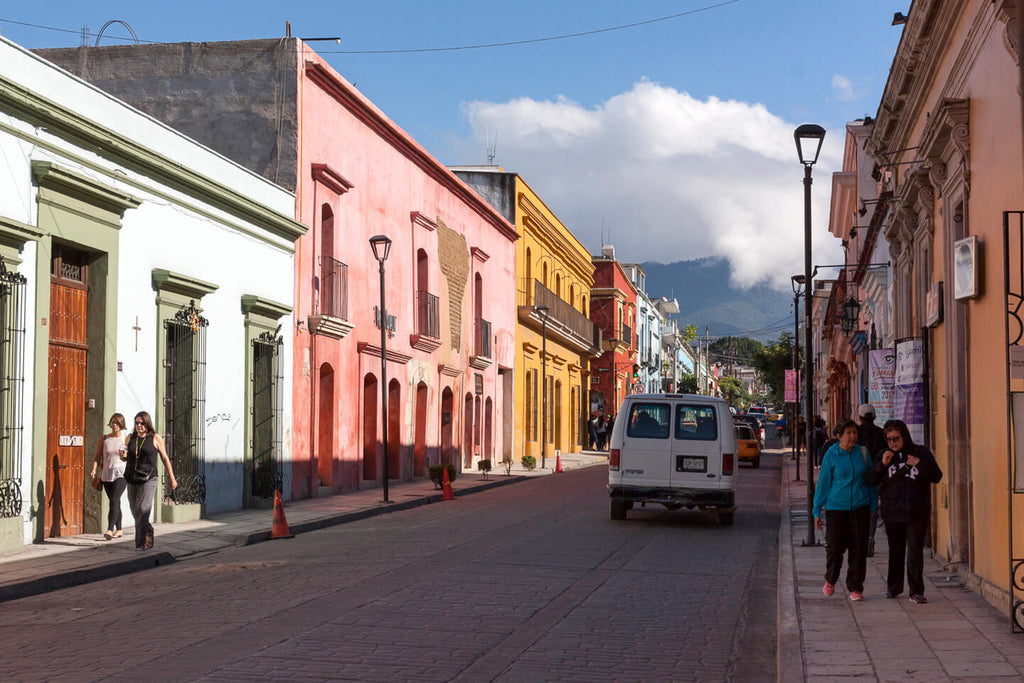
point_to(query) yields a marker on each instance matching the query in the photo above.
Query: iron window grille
(12, 383)
(483, 338)
(333, 288)
(266, 413)
(428, 320)
(185, 403)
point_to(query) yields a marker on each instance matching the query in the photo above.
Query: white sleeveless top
(113, 465)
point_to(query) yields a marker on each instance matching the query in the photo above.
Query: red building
(613, 309)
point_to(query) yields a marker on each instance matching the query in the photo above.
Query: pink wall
(376, 180)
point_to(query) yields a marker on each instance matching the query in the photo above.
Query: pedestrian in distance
(602, 431)
(871, 437)
(144, 447)
(904, 473)
(847, 501)
(110, 458)
(592, 428)
(819, 436)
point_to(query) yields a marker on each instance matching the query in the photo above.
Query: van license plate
(691, 464)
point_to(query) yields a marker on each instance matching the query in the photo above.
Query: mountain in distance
(706, 298)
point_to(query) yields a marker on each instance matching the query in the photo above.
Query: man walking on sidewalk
(904, 473)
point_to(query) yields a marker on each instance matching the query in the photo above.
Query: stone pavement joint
(65, 562)
(956, 635)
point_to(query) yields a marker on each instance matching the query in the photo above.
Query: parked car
(755, 423)
(676, 450)
(748, 446)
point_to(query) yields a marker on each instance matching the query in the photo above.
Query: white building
(141, 272)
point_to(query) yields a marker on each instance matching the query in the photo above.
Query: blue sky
(673, 137)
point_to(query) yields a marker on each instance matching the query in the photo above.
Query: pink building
(280, 109)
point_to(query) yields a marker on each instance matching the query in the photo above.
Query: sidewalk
(956, 636)
(63, 562)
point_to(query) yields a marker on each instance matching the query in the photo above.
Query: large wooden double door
(65, 420)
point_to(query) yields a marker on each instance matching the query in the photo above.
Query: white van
(675, 450)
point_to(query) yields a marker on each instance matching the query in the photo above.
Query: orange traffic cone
(558, 462)
(280, 528)
(446, 484)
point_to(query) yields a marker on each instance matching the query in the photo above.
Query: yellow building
(555, 338)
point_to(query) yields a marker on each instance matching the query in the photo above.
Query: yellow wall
(549, 242)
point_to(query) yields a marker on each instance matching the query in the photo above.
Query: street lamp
(798, 283)
(543, 311)
(381, 245)
(850, 316)
(808, 138)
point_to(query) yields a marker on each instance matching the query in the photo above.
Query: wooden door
(65, 421)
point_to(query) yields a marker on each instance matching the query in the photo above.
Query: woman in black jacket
(904, 473)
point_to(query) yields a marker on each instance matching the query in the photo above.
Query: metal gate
(266, 415)
(12, 381)
(185, 403)
(1013, 285)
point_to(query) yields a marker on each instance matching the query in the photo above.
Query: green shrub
(437, 474)
(484, 466)
(529, 462)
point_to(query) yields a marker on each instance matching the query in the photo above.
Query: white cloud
(843, 87)
(670, 177)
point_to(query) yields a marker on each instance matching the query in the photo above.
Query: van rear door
(644, 458)
(696, 445)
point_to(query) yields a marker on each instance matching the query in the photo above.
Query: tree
(772, 362)
(689, 333)
(688, 384)
(732, 388)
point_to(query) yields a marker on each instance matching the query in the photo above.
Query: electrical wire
(453, 48)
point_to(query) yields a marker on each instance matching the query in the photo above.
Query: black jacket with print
(905, 491)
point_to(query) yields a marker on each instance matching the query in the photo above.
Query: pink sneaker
(856, 596)
(829, 588)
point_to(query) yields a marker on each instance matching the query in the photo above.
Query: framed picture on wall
(965, 268)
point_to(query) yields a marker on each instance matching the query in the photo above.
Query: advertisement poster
(908, 398)
(881, 377)
(791, 384)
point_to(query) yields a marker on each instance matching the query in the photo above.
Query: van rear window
(696, 422)
(649, 421)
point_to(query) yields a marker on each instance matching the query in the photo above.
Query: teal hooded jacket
(841, 483)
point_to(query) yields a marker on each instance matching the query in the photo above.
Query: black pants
(906, 544)
(114, 489)
(847, 530)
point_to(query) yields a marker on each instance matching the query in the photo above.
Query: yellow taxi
(748, 446)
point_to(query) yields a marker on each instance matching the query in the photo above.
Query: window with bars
(266, 409)
(12, 381)
(185, 402)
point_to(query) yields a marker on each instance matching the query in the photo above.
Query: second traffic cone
(558, 462)
(446, 484)
(280, 528)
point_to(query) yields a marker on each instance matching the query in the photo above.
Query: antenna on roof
(492, 150)
(116, 21)
(287, 29)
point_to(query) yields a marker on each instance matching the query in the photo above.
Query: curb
(77, 577)
(789, 659)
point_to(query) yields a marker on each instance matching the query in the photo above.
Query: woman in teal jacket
(848, 502)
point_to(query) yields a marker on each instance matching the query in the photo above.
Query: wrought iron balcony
(483, 338)
(565, 323)
(627, 336)
(428, 322)
(332, 317)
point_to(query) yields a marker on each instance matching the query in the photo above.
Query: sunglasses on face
(894, 439)
(140, 424)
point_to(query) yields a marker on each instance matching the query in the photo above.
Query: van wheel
(725, 518)
(619, 509)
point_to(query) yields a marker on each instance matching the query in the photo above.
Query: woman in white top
(110, 455)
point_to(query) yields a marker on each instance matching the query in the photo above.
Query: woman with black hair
(904, 473)
(144, 447)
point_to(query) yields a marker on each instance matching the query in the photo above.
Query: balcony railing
(428, 322)
(627, 336)
(483, 338)
(534, 293)
(333, 288)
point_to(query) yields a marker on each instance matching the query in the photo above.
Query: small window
(649, 421)
(744, 432)
(696, 423)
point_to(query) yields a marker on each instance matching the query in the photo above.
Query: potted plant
(529, 462)
(484, 466)
(436, 473)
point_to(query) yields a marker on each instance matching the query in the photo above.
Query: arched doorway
(467, 433)
(370, 399)
(419, 444)
(394, 429)
(325, 426)
(447, 445)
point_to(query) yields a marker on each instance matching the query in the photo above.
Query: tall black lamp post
(543, 311)
(798, 282)
(808, 138)
(381, 245)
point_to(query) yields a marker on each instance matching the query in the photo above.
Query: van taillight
(727, 464)
(613, 460)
